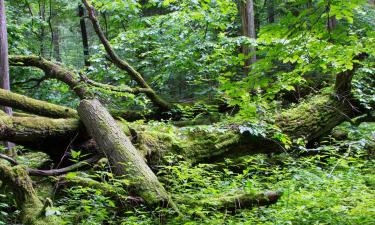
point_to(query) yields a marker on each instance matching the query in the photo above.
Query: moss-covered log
(124, 159)
(53, 136)
(37, 107)
(308, 120)
(32, 208)
(233, 201)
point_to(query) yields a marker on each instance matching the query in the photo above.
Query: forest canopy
(187, 111)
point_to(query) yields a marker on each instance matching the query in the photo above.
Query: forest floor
(333, 184)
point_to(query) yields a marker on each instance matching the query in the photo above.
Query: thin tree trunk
(85, 42)
(4, 64)
(55, 36)
(248, 29)
(42, 16)
(270, 11)
(56, 44)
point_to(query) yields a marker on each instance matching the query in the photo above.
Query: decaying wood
(111, 140)
(125, 160)
(233, 201)
(37, 107)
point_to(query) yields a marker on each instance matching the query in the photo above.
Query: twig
(57, 172)
(9, 159)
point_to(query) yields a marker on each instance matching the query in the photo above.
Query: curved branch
(9, 159)
(52, 71)
(122, 64)
(57, 172)
(123, 89)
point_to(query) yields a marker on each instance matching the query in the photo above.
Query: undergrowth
(332, 184)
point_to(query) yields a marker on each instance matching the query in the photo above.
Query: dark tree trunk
(271, 11)
(55, 36)
(42, 34)
(248, 29)
(4, 65)
(85, 42)
(56, 44)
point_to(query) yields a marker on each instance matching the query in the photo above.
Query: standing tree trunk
(248, 29)
(85, 42)
(55, 36)
(56, 44)
(42, 16)
(270, 11)
(4, 64)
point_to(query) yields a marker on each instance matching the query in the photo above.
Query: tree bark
(55, 34)
(4, 65)
(248, 28)
(271, 11)
(56, 44)
(110, 138)
(41, 133)
(309, 120)
(85, 42)
(37, 107)
(122, 155)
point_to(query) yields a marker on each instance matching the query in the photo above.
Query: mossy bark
(37, 107)
(32, 208)
(122, 155)
(309, 120)
(52, 136)
(233, 201)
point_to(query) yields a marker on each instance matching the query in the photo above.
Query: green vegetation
(187, 112)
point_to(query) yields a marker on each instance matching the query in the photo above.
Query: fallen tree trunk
(102, 127)
(308, 120)
(51, 136)
(124, 159)
(38, 107)
(234, 201)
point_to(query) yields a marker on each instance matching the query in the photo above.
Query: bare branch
(9, 159)
(58, 172)
(122, 89)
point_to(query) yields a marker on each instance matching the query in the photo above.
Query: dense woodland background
(247, 112)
